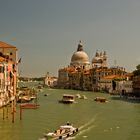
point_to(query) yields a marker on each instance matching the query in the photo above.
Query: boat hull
(62, 137)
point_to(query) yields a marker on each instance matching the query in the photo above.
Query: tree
(137, 71)
(138, 67)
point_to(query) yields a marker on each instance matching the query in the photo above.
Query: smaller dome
(97, 60)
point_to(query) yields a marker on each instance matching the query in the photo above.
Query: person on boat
(68, 123)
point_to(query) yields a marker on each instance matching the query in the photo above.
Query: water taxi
(62, 133)
(68, 98)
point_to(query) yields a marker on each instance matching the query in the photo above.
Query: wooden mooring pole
(13, 110)
(3, 112)
(20, 113)
(7, 111)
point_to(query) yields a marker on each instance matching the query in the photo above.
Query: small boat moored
(29, 106)
(83, 97)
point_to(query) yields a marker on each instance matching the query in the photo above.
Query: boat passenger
(68, 123)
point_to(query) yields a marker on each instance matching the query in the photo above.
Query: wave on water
(84, 128)
(71, 138)
(87, 124)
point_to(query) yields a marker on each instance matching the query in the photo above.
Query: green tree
(138, 67)
(137, 71)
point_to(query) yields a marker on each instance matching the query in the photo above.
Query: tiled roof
(72, 72)
(113, 77)
(5, 45)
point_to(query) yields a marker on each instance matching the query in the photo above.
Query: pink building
(8, 73)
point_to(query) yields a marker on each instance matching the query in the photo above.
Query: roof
(5, 45)
(113, 77)
(68, 95)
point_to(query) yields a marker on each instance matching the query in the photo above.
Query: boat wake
(71, 138)
(87, 124)
(84, 128)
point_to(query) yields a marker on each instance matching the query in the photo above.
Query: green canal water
(115, 120)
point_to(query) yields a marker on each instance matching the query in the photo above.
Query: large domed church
(93, 75)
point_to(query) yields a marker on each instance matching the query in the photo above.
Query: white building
(125, 86)
(50, 81)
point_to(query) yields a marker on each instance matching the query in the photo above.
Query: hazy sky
(46, 32)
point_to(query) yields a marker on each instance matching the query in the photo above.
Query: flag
(19, 61)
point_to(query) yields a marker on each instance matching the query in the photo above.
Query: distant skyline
(47, 32)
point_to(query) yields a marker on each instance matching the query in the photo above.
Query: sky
(47, 32)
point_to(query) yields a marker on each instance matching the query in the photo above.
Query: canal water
(114, 120)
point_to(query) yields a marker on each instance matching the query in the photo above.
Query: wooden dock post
(7, 111)
(20, 113)
(3, 112)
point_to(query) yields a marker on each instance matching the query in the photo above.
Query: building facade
(8, 73)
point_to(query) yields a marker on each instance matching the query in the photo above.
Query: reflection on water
(117, 120)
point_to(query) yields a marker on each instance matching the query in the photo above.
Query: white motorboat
(62, 133)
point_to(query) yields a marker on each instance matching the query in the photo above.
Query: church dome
(79, 57)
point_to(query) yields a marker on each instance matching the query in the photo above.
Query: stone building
(50, 81)
(102, 77)
(8, 73)
(136, 86)
(8, 51)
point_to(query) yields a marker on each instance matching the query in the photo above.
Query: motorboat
(24, 99)
(78, 96)
(100, 99)
(67, 98)
(62, 132)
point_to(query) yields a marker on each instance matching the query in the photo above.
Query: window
(11, 53)
(1, 54)
(1, 69)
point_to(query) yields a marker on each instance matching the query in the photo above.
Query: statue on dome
(80, 46)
